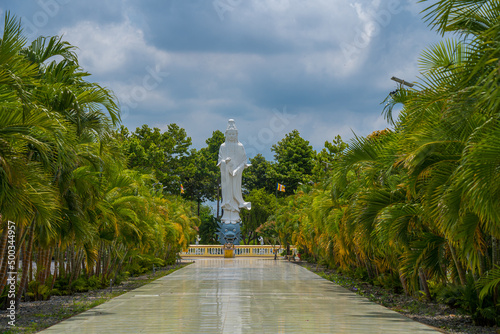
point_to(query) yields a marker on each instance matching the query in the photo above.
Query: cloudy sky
(322, 67)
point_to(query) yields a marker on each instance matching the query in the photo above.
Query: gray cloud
(187, 62)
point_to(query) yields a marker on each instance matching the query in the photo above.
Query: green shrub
(389, 281)
(482, 311)
(80, 285)
(450, 294)
(171, 258)
(94, 283)
(38, 291)
(120, 277)
(62, 285)
(360, 273)
(143, 263)
(56, 292)
(135, 269)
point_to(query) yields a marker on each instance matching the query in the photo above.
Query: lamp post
(402, 82)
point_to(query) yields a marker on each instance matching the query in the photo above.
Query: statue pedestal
(228, 251)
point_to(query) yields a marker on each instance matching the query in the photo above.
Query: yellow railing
(239, 251)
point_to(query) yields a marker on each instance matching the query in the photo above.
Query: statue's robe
(231, 173)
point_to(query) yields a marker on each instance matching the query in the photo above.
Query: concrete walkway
(239, 296)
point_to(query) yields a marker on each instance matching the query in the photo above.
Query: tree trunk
(482, 264)
(39, 256)
(26, 261)
(31, 271)
(120, 264)
(48, 265)
(494, 252)
(3, 254)
(22, 252)
(62, 262)
(3, 244)
(105, 264)
(425, 286)
(98, 262)
(74, 254)
(113, 267)
(403, 283)
(56, 262)
(44, 264)
(84, 269)
(54, 277)
(70, 266)
(368, 267)
(78, 264)
(458, 264)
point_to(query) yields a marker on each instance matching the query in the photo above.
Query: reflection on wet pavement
(240, 296)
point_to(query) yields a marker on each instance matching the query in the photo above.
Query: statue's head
(231, 132)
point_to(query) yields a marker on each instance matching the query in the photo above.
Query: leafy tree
(257, 175)
(263, 205)
(213, 145)
(294, 161)
(201, 175)
(328, 156)
(165, 154)
(198, 178)
(212, 155)
(268, 231)
(208, 226)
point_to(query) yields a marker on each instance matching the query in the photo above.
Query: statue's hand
(228, 159)
(237, 169)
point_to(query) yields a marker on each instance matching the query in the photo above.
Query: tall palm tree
(27, 132)
(61, 179)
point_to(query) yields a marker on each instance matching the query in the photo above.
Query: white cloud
(107, 48)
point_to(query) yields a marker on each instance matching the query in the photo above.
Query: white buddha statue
(232, 162)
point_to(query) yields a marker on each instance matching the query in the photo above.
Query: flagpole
(276, 215)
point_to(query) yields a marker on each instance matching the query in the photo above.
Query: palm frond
(489, 282)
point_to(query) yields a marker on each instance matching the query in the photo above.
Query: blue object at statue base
(229, 233)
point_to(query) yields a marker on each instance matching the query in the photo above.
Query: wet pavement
(240, 296)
